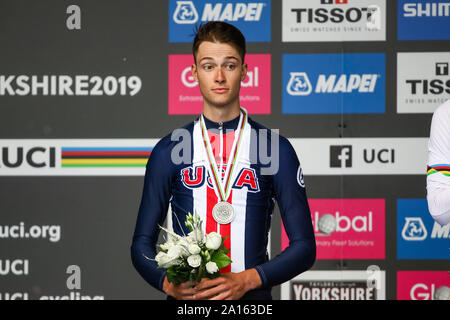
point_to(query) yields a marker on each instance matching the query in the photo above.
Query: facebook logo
(341, 156)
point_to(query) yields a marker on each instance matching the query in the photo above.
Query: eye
(207, 67)
(231, 66)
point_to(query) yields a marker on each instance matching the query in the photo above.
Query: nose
(220, 78)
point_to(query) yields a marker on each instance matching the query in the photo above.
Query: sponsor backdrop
(87, 88)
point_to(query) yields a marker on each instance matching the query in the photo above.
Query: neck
(221, 114)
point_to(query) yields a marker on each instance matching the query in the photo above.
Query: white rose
(213, 240)
(159, 256)
(174, 252)
(184, 244)
(194, 261)
(194, 249)
(211, 267)
(164, 261)
(196, 235)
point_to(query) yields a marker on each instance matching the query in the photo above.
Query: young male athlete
(438, 170)
(226, 182)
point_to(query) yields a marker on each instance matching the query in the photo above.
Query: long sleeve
(290, 194)
(438, 171)
(152, 212)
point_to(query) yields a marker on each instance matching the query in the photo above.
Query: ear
(194, 72)
(244, 71)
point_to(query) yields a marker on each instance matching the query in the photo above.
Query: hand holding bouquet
(193, 256)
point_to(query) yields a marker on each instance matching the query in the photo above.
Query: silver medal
(223, 212)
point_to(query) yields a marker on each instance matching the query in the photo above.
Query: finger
(187, 284)
(211, 292)
(209, 283)
(225, 295)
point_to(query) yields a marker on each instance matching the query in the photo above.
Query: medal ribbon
(223, 192)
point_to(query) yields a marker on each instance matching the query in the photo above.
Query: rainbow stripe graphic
(104, 156)
(442, 168)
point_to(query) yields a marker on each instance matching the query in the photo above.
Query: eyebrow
(226, 58)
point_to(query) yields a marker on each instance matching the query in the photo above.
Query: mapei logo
(317, 83)
(185, 12)
(418, 235)
(299, 83)
(414, 229)
(252, 18)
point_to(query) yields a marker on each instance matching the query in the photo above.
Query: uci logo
(185, 13)
(299, 84)
(414, 229)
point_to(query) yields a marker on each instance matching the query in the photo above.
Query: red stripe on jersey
(225, 230)
(212, 199)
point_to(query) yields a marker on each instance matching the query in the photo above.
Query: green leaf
(223, 249)
(221, 259)
(177, 275)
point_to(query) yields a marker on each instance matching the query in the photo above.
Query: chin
(220, 103)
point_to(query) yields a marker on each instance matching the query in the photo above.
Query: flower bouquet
(193, 256)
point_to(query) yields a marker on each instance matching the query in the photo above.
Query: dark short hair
(222, 32)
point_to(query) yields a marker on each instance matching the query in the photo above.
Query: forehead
(216, 50)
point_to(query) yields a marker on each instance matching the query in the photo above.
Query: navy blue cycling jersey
(187, 188)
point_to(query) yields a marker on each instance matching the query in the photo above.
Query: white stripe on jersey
(239, 196)
(239, 205)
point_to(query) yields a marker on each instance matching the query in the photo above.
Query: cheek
(236, 79)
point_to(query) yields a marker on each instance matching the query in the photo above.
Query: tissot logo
(422, 80)
(442, 68)
(334, 20)
(252, 18)
(431, 86)
(341, 156)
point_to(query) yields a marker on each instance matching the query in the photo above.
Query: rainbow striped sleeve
(442, 168)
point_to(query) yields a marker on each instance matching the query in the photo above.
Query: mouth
(220, 90)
